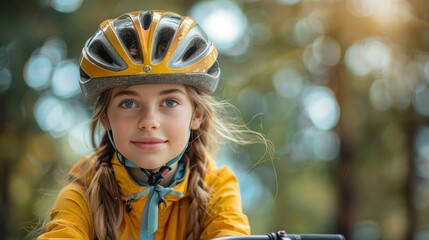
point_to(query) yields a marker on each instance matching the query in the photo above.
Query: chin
(149, 164)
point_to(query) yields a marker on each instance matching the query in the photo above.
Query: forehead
(149, 89)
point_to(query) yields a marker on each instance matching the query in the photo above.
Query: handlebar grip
(249, 237)
(283, 236)
(315, 237)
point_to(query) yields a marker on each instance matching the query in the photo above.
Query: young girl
(152, 175)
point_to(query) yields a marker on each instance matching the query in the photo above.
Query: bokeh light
(311, 143)
(385, 11)
(66, 6)
(323, 53)
(368, 55)
(326, 50)
(65, 79)
(307, 28)
(79, 138)
(288, 82)
(55, 48)
(377, 53)
(321, 107)
(326, 145)
(53, 115)
(37, 71)
(289, 2)
(223, 21)
(39, 68)
(355, 60)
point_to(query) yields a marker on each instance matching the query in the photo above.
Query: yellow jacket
(70, 217)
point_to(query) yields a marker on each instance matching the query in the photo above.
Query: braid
(198, 190)
(104, 197)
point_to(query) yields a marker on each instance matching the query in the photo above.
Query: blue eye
(170, 103)
(127, 104)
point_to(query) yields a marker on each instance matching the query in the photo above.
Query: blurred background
(339, 86)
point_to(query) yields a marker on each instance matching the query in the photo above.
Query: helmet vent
(214, 69)
(83, 76)
(162, 42)
(129, 39)
(147, 20)
(100, 53)
(195, 48)
(126, 33)
(164, 34)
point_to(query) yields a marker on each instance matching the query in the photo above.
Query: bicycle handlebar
(281, 235)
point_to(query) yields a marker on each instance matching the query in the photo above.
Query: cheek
(179, 128)
(119, 136)
(181, 139)
(120, 128)
(179, 135)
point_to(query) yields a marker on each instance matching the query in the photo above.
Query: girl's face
(151, 122)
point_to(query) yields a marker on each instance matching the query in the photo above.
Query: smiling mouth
(149, 145)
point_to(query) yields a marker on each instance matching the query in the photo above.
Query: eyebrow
(134, 93)
(125, 92)
(173, 90)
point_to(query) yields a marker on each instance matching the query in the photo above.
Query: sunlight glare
(222, 20)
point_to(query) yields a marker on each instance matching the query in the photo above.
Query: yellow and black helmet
(148, 47)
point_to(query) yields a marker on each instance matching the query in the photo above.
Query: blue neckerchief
(149, 220)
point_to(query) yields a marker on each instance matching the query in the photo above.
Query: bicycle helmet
(146, 47)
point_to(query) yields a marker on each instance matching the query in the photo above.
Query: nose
(149, 119)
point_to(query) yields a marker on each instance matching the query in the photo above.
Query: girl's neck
(138, 176)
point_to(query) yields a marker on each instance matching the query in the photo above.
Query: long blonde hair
(103, 193)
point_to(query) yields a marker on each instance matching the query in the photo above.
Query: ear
(197, 118)
(103, 121)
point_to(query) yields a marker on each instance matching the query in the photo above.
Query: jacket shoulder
(219, 175)
(70, 216)
(224, 187)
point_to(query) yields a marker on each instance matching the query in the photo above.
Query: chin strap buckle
(156, 178)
